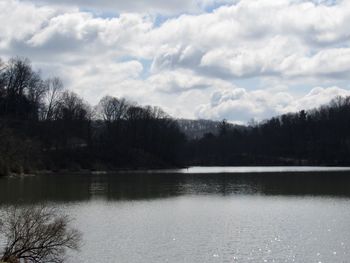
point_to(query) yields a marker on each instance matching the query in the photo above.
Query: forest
(319, 136)
(46, 127)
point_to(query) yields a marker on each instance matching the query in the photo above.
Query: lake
(200, 214)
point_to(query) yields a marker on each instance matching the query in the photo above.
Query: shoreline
(193, 170)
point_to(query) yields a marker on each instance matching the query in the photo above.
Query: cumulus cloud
(96, 79)
(182, 80)
(19, 21)
(258, 38)
(239, 105)
(249, 38)
(329, 63)
(201, 50)
(80, 32)
(316, 97)
(157, 6)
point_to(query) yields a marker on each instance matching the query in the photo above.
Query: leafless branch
(37, 234)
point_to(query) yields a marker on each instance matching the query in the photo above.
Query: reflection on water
(256, 169)
(199, 229)
(136, 186)
(199, 217)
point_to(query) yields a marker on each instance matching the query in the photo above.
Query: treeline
(43, 126)
(317, 137)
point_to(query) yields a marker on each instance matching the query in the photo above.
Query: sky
(213, 59)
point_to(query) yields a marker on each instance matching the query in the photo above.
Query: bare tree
(2, 65)
(72, 107)
(36, 234)
(112, 109)
(2, 78)
(17, 75)
(21, 88)
(54, 90)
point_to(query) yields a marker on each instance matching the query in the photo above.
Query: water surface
(200, 215)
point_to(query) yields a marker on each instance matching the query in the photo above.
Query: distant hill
(196, 129)
(319, 136)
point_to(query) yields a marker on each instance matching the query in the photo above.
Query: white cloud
(18, 21)
(239, 105)
(153, 6)
(79, 32)
(182, 80)
(316, 97)
(284, 39)
(195, 55)
(329, 63)
(96, 79)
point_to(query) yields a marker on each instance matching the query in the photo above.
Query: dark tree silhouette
(21, 90)
(112, 109)
(44, 126)
(316, 137)
(36, 234)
